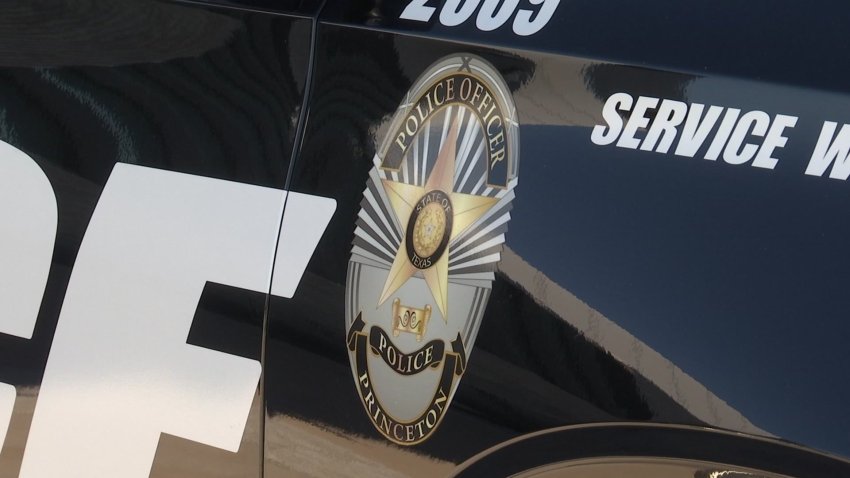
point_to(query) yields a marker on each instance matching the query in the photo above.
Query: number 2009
(492, 14)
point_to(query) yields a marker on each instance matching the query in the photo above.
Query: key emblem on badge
(428, 239)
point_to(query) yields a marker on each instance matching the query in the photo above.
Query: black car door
(554, 215)
(144, 148)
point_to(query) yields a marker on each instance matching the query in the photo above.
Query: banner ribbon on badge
(432, 354)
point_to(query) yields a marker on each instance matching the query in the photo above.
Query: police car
(245, 238)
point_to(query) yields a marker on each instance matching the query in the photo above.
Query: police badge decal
(427, 242)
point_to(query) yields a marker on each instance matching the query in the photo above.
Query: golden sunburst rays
(463, 209)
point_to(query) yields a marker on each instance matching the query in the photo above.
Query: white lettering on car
(120, 372)
(831, 149)
(26, 250)
(654, 124)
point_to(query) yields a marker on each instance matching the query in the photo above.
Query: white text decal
(491, 15)
(120, 372)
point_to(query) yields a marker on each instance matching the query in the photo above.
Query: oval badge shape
(427, 243)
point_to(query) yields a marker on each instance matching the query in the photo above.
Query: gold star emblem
(431, 217)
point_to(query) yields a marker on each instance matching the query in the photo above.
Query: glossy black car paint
(734, 274)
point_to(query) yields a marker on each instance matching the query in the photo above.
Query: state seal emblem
(427, 242)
